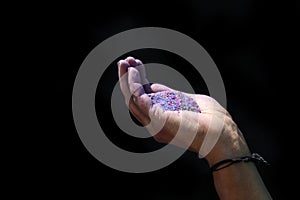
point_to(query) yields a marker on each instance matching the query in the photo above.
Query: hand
(164, 125)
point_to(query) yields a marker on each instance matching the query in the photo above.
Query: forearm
(240, 181)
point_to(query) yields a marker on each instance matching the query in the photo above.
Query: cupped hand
(191, 126)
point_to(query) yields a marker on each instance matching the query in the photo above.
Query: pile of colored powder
(174, 101)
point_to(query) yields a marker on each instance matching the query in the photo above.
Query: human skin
(238, 181)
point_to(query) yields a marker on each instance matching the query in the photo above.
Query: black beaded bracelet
(256, 158)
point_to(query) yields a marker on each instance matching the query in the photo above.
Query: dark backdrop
(246, 39)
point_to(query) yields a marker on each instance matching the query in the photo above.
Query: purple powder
(174, 101)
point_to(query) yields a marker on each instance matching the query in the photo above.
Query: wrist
(231, 144)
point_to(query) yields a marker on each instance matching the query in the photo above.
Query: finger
(135, 83)
(122, 67)
(141, 99)
(123, 79)
(141, 68)
(131, 61)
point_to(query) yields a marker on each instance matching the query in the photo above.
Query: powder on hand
(174, 101)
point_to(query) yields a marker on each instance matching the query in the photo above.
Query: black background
(250, 42)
